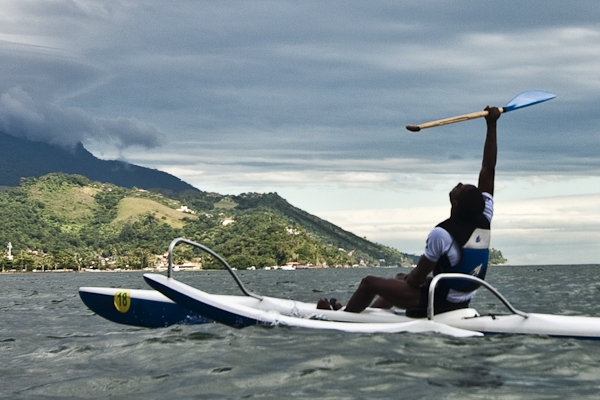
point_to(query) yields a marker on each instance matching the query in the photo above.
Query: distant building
(9, 255)
(185, 209)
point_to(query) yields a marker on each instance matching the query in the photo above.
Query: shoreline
(69, 271)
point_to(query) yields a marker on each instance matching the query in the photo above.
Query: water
(53, 347)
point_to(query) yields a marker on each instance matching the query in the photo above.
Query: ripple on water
(65, 351)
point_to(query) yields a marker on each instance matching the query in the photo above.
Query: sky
(310, 99)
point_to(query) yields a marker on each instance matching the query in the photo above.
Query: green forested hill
(71, 221)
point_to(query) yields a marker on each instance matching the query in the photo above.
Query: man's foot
(323, 304)
(335, 304)
(332, 304)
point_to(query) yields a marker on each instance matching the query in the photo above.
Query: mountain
(114, 217)
(20, 158)
(69, 220)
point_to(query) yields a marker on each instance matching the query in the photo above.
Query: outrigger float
(174, 302)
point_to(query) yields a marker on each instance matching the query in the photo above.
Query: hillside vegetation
(74, 220)
(131, 209)
(70, 221)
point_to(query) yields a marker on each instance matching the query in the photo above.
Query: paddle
(523, 100)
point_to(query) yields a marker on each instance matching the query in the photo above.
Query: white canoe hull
(241, 311)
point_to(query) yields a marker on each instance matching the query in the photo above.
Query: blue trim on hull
(142, 312)
(214, 313)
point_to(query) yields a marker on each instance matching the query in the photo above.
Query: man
(459, 244)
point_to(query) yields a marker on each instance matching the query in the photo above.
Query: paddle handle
(451, 120)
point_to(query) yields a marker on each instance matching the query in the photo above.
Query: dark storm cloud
(23, 116)
(284, 79)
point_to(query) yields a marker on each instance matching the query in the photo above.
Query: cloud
(23, 116)
(310, 98)
(524, 230)
(283, 78)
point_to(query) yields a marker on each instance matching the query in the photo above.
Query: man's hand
(493, 114)
(410, 281)
(417, 276)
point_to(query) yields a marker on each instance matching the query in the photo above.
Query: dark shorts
(440, 304)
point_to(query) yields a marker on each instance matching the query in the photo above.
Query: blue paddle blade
(528, 99)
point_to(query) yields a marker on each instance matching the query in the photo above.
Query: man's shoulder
(438, 243)
(439, 234)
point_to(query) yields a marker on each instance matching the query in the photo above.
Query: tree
(496, 257)
(24, 261)
(62, 259)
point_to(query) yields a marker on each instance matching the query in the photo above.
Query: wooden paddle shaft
(451, 120)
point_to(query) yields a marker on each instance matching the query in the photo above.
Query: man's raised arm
(490, 152)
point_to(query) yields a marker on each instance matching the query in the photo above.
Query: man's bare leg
(380, 302)
(394, 291)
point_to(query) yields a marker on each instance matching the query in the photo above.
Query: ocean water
(53, 347)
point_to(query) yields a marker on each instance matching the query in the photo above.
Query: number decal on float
(122, 301)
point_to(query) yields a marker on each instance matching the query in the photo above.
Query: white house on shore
(185, 209)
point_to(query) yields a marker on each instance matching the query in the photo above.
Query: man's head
(467, 202)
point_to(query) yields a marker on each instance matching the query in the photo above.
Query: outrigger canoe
(252, 309)
(137, 307)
